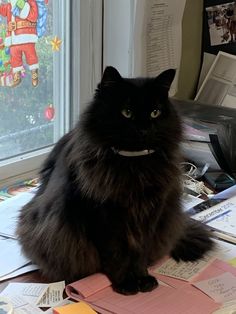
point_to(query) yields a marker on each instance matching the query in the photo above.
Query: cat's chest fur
(136, 182)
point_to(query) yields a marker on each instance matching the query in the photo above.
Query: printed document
(218, 88)
(157, 37)
(221, 218)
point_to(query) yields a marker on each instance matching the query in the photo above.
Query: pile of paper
(30, 297)
(12, 262)
(9, 212)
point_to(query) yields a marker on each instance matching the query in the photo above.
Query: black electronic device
(219, 181)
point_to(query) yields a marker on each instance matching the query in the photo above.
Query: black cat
(109, 199)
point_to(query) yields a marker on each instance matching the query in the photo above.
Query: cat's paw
(196, 243)
(147, 283)
(134, 285)
(127, 287)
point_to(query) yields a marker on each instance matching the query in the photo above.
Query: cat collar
(127, 153)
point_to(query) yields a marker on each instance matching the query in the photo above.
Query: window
(37, 111)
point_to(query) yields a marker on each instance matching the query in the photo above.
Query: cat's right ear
(110, 77)
(166, 78)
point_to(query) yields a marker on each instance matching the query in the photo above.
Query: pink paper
(216, 268)
(163, 300)
(88, 286)
(221, 288)
(180, 298)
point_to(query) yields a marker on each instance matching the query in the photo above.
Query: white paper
(11, 257)
(20, 271)
(208, 60)
(28, 309)
(53, 295)
(32, 292)
(9, 211)
(218, 88)
(157, 37)
(17, 301)
(188, 201)
(22, 306)
(5, 306)
(183, 270)
(224, 251)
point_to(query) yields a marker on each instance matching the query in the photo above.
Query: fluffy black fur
(97, 210)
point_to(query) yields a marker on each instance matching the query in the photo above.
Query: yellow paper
(232, 262)
(75, 308)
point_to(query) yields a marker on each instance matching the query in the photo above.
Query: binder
(218, 127)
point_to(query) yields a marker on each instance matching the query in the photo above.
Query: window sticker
(22, 23)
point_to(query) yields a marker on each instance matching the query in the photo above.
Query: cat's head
(133, 115)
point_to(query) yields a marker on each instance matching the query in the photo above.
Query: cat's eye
(127, 113)
(155, 113)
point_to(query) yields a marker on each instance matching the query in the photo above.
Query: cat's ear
(166, 78)
(110, 76)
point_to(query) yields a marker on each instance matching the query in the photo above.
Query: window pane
(28, 114)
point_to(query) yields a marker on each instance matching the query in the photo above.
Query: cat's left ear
(166, 78)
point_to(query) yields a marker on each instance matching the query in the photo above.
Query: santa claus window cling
(33, 54)
(25, 23)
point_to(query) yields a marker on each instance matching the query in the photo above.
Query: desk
(37, 277)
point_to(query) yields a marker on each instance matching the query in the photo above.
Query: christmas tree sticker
(5, 65)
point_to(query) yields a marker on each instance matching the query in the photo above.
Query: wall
(191, 49)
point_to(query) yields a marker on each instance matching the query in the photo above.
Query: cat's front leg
(129, 276)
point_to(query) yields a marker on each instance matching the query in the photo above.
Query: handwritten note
(183, 270)
(221, 288)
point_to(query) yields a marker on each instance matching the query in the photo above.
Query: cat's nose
(144, 132)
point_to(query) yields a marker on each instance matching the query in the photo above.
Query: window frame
(82, 44)
(118, 35)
